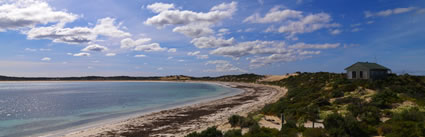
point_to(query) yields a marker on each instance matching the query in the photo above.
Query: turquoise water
(29, 108)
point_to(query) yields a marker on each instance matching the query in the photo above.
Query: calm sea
(32, 108)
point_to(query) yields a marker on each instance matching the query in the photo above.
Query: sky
(208, 37)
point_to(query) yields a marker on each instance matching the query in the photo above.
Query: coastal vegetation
(389, 107)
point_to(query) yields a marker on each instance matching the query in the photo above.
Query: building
(367, 70)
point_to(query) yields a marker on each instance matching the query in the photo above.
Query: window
(353, 74)
(361, 74)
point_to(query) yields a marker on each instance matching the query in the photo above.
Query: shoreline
(186, 118)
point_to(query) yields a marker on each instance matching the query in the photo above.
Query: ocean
(37, 108)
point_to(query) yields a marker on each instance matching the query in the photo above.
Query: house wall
(366, 74)
(378, 74)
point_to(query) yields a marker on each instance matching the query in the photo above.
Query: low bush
(314, 132)
(210, 132)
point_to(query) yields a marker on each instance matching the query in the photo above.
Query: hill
(394, 106)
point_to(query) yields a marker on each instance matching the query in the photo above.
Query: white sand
(183, 120)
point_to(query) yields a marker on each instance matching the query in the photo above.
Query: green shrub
(233, 133)
(237, 120)
(314, 132)
(210, 132)
(385, 98)
(339, 126)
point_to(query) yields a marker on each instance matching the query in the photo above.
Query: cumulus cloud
(307, 24)
(139, 56)
(95, 47)
(29, 13)
(198, 55)
(178, 17)
(46, 59)
(172, 50)
(150, 47)
(250, 47)
(335, 32)
(130, 43)
(107, 27)
(77, 35)
(110, 54)
(202, 56)
(30, 49)
(194, 30)
(388, 12)
(211, 42)
(274, 15)
(286, 57)
(314, 46)
(223, 66)
(222, 32)
(82, 54)
(160, 7)
(268, 52)
(293, 22)
(194, 53)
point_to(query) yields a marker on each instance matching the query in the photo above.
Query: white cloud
(29, 13)
(170, 58)
(178, 17)
(355, 30)
(356, 25)
(335, 32)
(223, 66)
(77, 35)
(268, 52)
(95, 47)
(153, 47)
(308, 24)
(82, 54)
(46, 59)
(222, 32)
(30, 49)
(274, 15)
(287, 57)
(388, 12)
(160, 68)
(139, 56)
(194, 53)
(107, 27)
(172, 50)
(250, 47)
(198, 55)
(194, 30)
(130, 43)
(211, 42)
(293, 22)
(202, 56)
(45, 49)
(370, 22)
(249, 29)
(314, 46)
(140, 45)
(160, 7)
(110, 54)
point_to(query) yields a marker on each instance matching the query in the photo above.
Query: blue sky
(208, 38)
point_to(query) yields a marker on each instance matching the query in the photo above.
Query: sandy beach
(180, 121)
